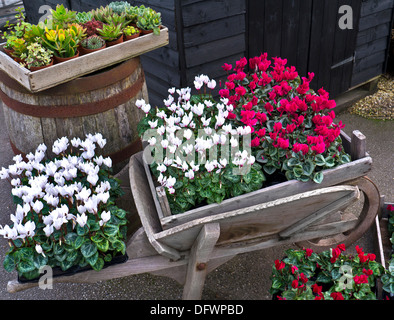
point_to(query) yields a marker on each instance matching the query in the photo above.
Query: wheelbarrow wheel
(370, 208)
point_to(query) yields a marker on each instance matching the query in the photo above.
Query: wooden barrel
(103, 102)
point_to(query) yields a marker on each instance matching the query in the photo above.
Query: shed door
(307, 33)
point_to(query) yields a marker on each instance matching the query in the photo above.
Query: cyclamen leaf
(98, 265)
(9, 263)
(88, 249)
(318, 177)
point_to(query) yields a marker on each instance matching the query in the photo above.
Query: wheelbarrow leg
(198, 259)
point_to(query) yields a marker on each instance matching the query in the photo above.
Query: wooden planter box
(350, 171)
(74, 68)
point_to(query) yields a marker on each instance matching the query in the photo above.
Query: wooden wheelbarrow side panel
(332, 177)
(360, 166)
(146, 208)
(264, 220)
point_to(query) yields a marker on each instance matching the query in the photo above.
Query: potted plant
(64, 42)
(131, 32)
(91, 44)
(102, 13)
(37, 57)
(149, 21)
(66, 217)
(132, 14)
(329, 275)
(119, 7)
(117, 19)
(111, 33)
(61, 17)
(293, 129)
(92, 26)
(83, 17)
(198, 124)
(19, 48)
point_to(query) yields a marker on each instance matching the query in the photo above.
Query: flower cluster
(292, 127)
(60, 201)
(388, 278)
(196, 145)
(329, 275)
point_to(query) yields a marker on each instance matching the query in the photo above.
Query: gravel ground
(379, 105)
(245, 277)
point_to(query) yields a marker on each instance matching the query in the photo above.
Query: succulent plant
(130, 30)
(119, 6)
(93, 42)
(100, 14)
(149, 19)
(116, 19)
(83, 17)
(37, 56)
(110, 32)
(61, 16)
(92, 26)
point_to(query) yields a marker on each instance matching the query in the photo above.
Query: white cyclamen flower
(105, 216)
(82, 219)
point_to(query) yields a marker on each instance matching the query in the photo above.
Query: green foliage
(37, 56)
(149, 19)
(110, 32)
(83, 17)
(119, 7)
(62, 17)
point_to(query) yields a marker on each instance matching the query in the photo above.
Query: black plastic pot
(58, 272)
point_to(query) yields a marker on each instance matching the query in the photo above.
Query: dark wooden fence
(206, 33)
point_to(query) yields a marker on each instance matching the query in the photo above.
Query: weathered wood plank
(359, 145)
(264, 219)
(320, 214)
(199, 256)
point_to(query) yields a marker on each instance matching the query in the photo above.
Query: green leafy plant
(133, 12)
(130, 31)
(17, 30)
(64, 42)
(61, 17)
(83, 17)
(19, 46)
(117, 19)
(36, 56)
(119, 7)
(93, 42)
(66, 214)
(149, 19)
(102, 13)
(293, 127)
(329, 275)
(110, 32)
(181, 134)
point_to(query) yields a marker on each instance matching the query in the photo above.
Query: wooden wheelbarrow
(188, 247)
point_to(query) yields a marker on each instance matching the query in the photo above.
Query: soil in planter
(58, 272)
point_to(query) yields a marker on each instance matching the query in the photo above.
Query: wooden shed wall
(373, 40)
(204, 34)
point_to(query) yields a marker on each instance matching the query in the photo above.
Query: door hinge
(348, 60)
